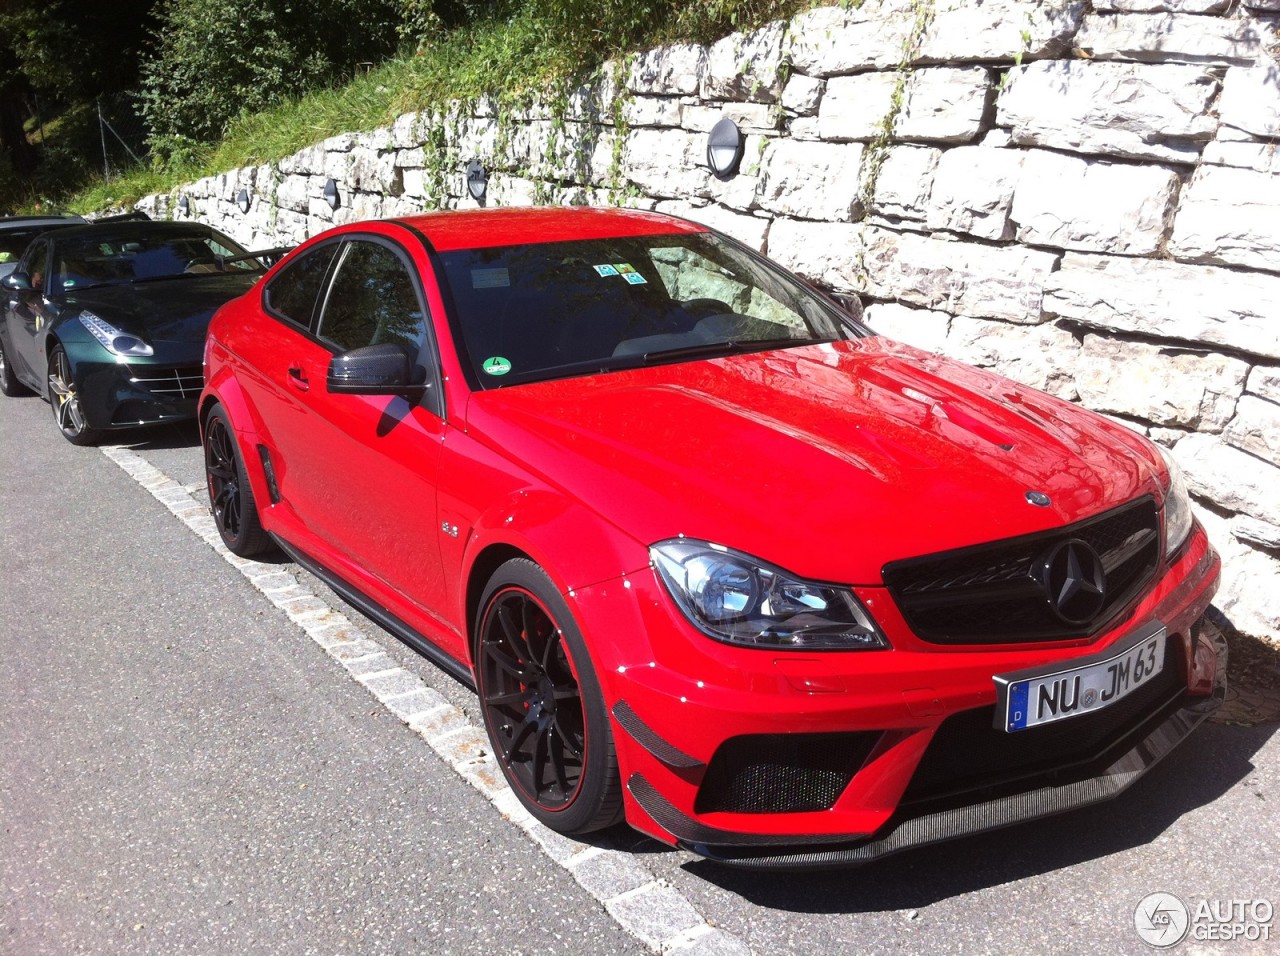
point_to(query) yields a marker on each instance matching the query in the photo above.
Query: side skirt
(380, 615)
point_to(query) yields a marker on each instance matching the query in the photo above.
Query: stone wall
(1082, 198)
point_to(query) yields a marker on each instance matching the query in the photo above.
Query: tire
(9, 383)
(230, 495)
(68, 413)
(542, 704)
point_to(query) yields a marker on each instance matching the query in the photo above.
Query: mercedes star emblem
(1074, 581)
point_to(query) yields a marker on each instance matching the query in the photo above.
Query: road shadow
(159, 437)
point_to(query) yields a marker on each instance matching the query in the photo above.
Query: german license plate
(1044, 695)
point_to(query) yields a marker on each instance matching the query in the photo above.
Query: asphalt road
(184, 771)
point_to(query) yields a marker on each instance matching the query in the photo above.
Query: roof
(481, 228)
(135, 227)
(26, 222)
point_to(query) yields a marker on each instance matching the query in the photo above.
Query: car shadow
(1206, 766)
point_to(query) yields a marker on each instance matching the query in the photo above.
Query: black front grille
(185, 381)
(989, 594)
(782, 773)
(969, 753)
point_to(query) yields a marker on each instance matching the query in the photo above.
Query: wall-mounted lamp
(242, 200)
(184, 206)
(724, 148)
(331, 193)
(477, 179)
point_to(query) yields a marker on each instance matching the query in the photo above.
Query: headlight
(112, 339)
(735, 598)
(1177, 506)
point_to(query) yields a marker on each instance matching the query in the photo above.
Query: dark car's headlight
(112, 339)
(1177, 506)
(736, 598)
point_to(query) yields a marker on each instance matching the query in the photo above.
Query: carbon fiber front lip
(773, 852)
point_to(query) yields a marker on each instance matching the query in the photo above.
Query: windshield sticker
(624, 267)
(490, 279)
(606, 270)
(635, 278)
(496, 365)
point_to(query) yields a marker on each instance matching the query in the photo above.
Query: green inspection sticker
(496, 365)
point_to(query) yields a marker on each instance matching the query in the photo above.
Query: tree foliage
(216, 59)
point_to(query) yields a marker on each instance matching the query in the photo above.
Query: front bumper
(884, 711)
(133, 393)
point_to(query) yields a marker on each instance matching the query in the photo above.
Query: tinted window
(293, 292)
(114, 258)
(36, 265)
(372, 301)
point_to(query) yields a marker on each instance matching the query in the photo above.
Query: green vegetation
(257, 107)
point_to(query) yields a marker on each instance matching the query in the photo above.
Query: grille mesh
(989, 594)
(782, 773)
(182, 382)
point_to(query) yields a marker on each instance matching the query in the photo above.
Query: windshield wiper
(712, 349)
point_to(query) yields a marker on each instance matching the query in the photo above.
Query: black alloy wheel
(9, 383)
(230, 494)
(542, 704)
(68, 412)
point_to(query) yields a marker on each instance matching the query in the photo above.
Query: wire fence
(122, 133)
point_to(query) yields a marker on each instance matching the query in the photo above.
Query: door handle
(298, 378)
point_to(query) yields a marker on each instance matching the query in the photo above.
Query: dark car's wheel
(230, 494)
(542, 703)
(9, 383)
(68, 411)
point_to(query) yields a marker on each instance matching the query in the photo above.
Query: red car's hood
(827, 460)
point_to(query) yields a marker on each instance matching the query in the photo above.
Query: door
(27, 314)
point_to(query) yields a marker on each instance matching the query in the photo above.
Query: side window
(372, 300)
(36, 264)
(292, 294)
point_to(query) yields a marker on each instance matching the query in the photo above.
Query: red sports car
(719, 560)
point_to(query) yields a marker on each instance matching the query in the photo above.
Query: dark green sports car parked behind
(107, 322)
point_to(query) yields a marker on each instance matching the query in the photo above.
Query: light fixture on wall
(477, 179)
(724, 148)
(242, 200)
(331, 193)
(184, 206)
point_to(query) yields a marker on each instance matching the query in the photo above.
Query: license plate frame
(1110, 672)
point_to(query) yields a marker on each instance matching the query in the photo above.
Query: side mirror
(373, 370)
(17, 282)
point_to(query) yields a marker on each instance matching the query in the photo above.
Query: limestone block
(962, 278)
(652, 111)
(942, 104)
(1250, 100)
(1230, 216)
(1256, 428)
(294, 191)
(833, 40)
(904, 182)
(1112, 109)
(973, 191)
(825, 252)
(998, 29)
(1260, 157)
(1230, 478)
(305, 162)
(750, 117)
(1264, 381)
(668, 71)
(1160, 6)
(1039, 356)
(746, 66)
(667, 163)
(811, 180)
(922, 328)
(1168, 387)
(740, 192)
(804, 128)
(371, 171)
(1201, 305)
(342, 143)
(1249, 595)
(802, 95)
(1075, 203)
(1256, 532)
(1175, 38)
(410, 130)
(749, 230)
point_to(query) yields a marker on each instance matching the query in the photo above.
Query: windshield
(548, 310)
(133, 256)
